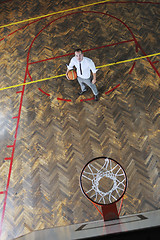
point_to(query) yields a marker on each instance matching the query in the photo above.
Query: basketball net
(93, 176)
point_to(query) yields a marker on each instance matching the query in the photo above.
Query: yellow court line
(62, 75)
(54, 13)
(129, 60)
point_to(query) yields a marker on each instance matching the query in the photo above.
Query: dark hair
(78, 50)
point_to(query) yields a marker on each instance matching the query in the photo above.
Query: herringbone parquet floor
(44, 140)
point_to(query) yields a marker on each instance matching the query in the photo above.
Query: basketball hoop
(103, 181)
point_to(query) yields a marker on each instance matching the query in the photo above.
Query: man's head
(79, 54)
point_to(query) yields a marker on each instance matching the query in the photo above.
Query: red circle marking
(96, 12)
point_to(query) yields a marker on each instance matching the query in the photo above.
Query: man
(84, 68)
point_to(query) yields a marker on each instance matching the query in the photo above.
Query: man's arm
(67, 73)
(94, 78)
(69, 67)
(94, 70)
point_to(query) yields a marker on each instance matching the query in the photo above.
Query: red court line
(124, 2)
(44, 92)
(65, 55)
(3, 192)
(12, 155)
(148, 60)
(19, 92)
(109, 45)
(113, 44)
(6, 159)
(10, 146)
(136, 43)
(97, 4)
(6, 193)
(38, 88)
(109, 15)
(96, 12)
(112, 89)
(87, 99)
(87, 50)
(66, 100)
(20, 29)
(134, 39)
(6, 1)
(155, 62)
(132, 67)
(20, 107)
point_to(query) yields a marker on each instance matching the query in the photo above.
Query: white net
(104, 181)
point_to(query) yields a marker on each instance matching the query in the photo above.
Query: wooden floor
(48, 133)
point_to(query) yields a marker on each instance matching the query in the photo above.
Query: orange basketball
(72, 75)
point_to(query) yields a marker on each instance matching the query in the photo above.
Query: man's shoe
(82, 92)
(96, 97)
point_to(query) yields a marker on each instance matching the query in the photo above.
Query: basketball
(72, 75)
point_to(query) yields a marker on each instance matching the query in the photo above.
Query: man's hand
(94, 81)
(67, 76)
(94, 78)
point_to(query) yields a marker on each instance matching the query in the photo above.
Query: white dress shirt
(86, 65)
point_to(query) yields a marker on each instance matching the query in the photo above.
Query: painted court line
(87, 50)
(66, 100)
(111, 90)
(89, 99)
(54, 13)
(11, 158)
(3, 192)
(132, 68)
(62, 75)
(72, 9)
(129, 60)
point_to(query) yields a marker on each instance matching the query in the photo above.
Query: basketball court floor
(48, 133)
